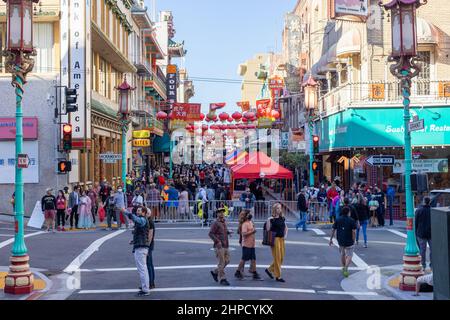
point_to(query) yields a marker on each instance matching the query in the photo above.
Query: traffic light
(64, 166)
(71, 100)
(67, 137)
(315, 166)
(316, 144)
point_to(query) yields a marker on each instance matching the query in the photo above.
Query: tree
(293, 160)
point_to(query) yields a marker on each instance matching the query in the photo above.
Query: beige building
(254, 72)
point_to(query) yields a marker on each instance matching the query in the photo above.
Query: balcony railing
(366, 94)
(142, 65)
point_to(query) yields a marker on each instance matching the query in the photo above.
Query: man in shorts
(345, 229)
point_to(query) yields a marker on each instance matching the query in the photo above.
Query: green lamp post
(19, 63)
(310, 90)
(404, 54)
(124, 98)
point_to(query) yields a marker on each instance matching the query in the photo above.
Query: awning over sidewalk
(258, 165)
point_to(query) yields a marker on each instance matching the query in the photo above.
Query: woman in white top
(183, 207)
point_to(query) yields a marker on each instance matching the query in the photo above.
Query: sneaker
(269, 273)
(215, 276)
(296, 228)
(143, 293)
(365, 245)
(63, 229)
(59, 228)
(346, 273)
(152, 286)
(224, 282)
(108, 229)
(256, 276)
(239, 275)
(280, 280)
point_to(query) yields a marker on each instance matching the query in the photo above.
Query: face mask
(249, 217)
(119, 190)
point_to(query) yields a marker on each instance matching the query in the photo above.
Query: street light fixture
(124, 101)
(19, 63)
(404, 54)
(310, 87)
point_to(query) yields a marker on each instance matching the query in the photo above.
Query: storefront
(349, 138)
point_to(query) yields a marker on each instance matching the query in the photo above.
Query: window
(423, 79)
(43, 42)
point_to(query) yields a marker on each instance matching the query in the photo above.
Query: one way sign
(381, 160)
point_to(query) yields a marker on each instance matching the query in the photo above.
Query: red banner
(187, 111)
(263, 108)
(244, 105)
(215, 106)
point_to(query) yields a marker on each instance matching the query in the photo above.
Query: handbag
(268, 236)
(101, 214)
(373, 205)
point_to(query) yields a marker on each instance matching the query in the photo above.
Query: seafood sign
(351, 7)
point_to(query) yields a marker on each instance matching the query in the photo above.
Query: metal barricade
(317, 211)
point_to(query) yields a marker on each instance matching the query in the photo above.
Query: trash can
(440, 235)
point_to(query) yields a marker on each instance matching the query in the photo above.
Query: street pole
(311, 152)
(124, 154)
(19, 279)
(170, 158)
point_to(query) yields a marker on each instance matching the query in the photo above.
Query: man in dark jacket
(48, 203)
(423, 230)
(141, 245)
(302, 208)
(219, 234)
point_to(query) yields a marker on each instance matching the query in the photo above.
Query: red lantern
(204, 127)
(208, 120)
(223, 116)
(161, 115)
(275, 114)
(202, 116)
(223, 127)
(249, 115)
(230, 119)
(236, 116)
(245, 120)
(214, 127)
(251, 126)
(172, 116)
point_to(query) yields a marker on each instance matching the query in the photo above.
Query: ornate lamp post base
(19, 279)
(412, 269)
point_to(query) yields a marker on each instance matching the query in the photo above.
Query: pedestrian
(203, 199)
(120, 203)
(183, 207)
(74, 201)
(105, 191)
(61, 207)
(151, 237)
(248, 198)
(111, 211)
(277, 225)
(362, 211)
(172, 201)
(373, 207)
(423, 230)
(219, 234)
(345, 230)
(141, 245)
(302, 208)
(154, 201)
(381, 211)
(137, 201)
(390, 195)
(48, 203)
(94, 207)
(85, 212)
(331, 194)
(424, 284)
(247, 240)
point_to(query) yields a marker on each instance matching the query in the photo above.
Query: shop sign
(171, 85)
(141, 143)
(8, 162)
(351, 7)
(244, 105)
(423, 166)
(8, 128)
(141, 134)
(110, 157)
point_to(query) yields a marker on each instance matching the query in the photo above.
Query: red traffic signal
(315, 167)
(316, 144)
(64, 166)
(67, 137)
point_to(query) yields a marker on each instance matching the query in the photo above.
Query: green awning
(161, 144)
(103, 108)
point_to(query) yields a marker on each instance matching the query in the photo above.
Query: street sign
(381, 160)
(23, 161)
(416, 125)
(110, 157)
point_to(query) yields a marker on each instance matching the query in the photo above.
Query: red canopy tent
(258, 165)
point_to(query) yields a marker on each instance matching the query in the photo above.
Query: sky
(220, 35)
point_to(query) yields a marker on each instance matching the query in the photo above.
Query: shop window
(43, 42)
(423, 79)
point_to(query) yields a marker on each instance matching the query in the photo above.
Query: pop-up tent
(258, 165)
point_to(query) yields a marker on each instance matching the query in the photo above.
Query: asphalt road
(105, 268)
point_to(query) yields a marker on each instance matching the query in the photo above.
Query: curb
(35, 295)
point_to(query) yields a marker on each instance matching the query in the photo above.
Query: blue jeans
(364, 227)
(302, 221)
(150, 268)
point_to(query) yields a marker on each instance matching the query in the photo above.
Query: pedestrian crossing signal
(64, 166)
(315, 166)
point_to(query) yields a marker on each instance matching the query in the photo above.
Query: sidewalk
(384, 282)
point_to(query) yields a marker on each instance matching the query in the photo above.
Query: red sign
(245, 105)
(215, 106)
(276, 83)
(263, 108)
(8, 128)
(409, 224)
(187, 111)
(23, 161)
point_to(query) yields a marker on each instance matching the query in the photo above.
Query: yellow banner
(141, 134)
(141, 143)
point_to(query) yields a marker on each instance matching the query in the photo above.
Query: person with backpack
(247, 240)
(48, 203)
(345, 230)
(141, 245)
(302, 208)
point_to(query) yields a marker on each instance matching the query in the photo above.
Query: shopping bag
(268, 236)
(122, 217)
(101, 214)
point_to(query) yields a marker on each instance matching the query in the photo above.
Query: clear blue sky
(219, 35)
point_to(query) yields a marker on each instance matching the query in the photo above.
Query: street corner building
(92, 47)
